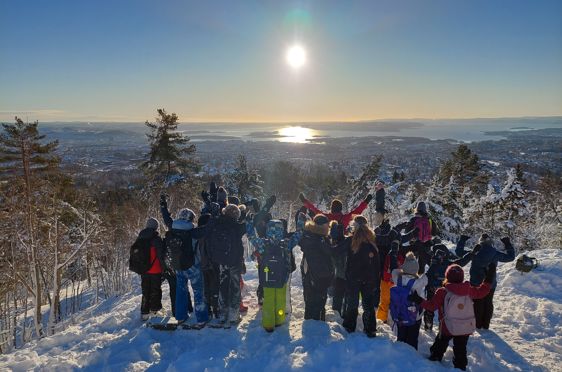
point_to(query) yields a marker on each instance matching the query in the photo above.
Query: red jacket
(344, 219)
(387, 273)
(461, 289)
(156, 268)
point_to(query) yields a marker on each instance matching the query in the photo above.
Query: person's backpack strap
(399, 282)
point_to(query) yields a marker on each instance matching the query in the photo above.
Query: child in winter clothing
(317, 266)
(362, 276)
(224, 240)
(407, 276)
(274, 274)
(389, 242)
(483, 259)
(451, 326)
(182, 236)
(151, 281)
(427, 229)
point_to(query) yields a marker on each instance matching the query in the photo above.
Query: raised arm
(298, 232)
(308, 204)
(254, 239)
(362, 206)
(166, 216)
(509, 254)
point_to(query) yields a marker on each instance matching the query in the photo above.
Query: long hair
(362, 233)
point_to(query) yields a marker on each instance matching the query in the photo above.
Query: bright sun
(296, 56)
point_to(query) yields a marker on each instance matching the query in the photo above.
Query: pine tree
(465, 165)
(170, 150)
(368, 177)
(26, 160)
(244, 182)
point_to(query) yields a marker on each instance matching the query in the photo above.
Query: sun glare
(296, 56)
(296, 134)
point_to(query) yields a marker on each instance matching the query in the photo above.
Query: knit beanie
(232, 211)
(152, 223)
(320, 219)
(336, 206)
(454, 274)
(185, 214)
(421, 208)
(410, 265)
(233, 200)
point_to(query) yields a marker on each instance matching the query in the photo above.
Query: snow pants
(338, 295)
(273, 309)
(229, 292)
(369, 296)
(459, 349)
(483, 310)
(315, 292)
(384, 303)
(211, 281)
(183, 297)
(151, 285)
(409, 334)
(171, 279)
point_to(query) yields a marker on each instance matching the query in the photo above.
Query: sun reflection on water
(296, 134)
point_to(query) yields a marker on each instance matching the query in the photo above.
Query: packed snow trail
(526, 335)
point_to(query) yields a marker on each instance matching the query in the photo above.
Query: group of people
(383, 268)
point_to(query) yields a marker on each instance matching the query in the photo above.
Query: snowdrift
(526, 335)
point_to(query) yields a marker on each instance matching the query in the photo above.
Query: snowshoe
(165, 323)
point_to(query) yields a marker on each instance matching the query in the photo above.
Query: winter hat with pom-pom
(152, 223)
(410, 265)
(454, 274)
(232, 211)
(185, 214)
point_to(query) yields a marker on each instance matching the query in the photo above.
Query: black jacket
(318, 256)
(224, 240)
(379, 201)
(364, 265)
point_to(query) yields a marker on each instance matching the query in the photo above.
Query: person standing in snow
(379, 202)
(210, 271)
(151, 280)
(389, 243)
(406, 316)
(362, 276)
(275, 251)
(224, 240)
(181, 246)
(484, 257)
(337, 234)
(317, 266)
(421, 244)
(456, 318)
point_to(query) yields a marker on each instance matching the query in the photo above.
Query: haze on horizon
(225, 61)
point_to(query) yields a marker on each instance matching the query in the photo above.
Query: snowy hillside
(526, 335)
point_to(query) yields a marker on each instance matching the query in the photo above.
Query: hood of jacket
(182, 225)
(460, 289)
(314, 229)
(148, 233)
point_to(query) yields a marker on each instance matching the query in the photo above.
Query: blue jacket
(486, 256)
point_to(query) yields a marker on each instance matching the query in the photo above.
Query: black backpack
(275, 264)
(179, 249)
(220, 241)
(139, 256)
(526, 263)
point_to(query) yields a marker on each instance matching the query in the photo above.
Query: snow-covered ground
(526, 335)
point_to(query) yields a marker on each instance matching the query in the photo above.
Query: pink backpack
(459, 314)
(424, 226)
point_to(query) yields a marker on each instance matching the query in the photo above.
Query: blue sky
(224, 60)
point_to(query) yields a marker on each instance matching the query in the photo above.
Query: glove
(476, 248)
(301, 197)
(505, 240)
(415, 298)
(269, 203)
(490, 274)
(368, 198)
(464, 238)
